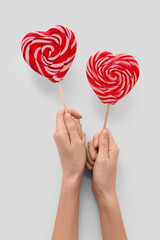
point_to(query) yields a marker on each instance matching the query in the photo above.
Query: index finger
(96, 139)
(60, 125)
(112, 142)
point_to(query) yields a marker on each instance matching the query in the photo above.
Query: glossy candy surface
(50, 53)
(112, 76)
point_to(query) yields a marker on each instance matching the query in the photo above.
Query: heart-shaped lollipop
(50, 53)
(112, 76)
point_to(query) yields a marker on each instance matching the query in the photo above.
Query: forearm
(66, 225)
(111, 219)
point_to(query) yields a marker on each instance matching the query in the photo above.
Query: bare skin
(102, 156)
(70, 141)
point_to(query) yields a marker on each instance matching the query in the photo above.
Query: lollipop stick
(62, 96)
(106, 116)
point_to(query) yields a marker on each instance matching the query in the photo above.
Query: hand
(102, 155)
(70, 141)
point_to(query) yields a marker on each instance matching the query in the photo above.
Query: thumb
(104, 143)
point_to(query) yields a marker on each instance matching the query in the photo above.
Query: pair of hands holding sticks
(100, 156)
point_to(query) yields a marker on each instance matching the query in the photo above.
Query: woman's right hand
(102, 155)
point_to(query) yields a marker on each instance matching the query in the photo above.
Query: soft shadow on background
(44, 85)
(51, 89)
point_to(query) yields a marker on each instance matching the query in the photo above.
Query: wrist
(107, 200)
(71, 182)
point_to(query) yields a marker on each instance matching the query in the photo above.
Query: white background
(30, 170)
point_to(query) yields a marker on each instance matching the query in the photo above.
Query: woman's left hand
(70, 141)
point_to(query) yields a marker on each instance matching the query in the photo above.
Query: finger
(84, 139)
(113, 148)
(111, 140)
(96, 139)
(79, 127)
(89, 167)
(89, 159)
(71, 127)
(104, 143)
(92, 151)
(60, 125)
(74, 113)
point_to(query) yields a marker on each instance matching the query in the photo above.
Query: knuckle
(78, 142)
(88, 167)
(59, 112)
(116, 149)
(54, 136)
(105, 133)
(57, 135)
(94, 156)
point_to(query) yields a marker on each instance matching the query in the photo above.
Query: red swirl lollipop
(50, 53)
(112, 76)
